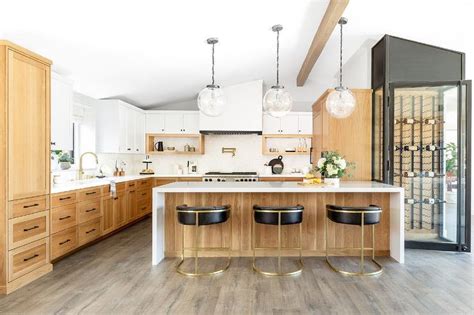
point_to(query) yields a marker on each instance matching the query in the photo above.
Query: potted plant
(332, 166)
(65, 161)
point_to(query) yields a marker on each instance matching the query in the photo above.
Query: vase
(64, 165)
(332, 181)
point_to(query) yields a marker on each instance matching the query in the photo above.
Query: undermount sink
(84, 182)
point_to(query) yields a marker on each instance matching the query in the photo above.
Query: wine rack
(418, 157)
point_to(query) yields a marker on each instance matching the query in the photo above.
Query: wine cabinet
(421, 139)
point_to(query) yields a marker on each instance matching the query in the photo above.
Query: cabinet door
(120, 210)
(107, 219)
(174, 123)
(271, 125)
(155, 122)
(289, 124)
(139, 132)
(191, 123)
(305, 124)
(123, 130)
(61, 113)
(132, 205)
(131, 132)
(318, 138)
(28, 127)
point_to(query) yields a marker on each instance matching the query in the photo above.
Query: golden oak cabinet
(24, 165)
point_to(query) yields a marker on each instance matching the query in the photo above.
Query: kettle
(277, 165)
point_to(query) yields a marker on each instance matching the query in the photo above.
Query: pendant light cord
(278, 58)
(340, 57)
(213, 64)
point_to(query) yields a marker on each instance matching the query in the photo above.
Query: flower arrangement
(332, 165)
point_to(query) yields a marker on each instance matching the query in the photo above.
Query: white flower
(321, 162)
(342, 164)
(331, 170)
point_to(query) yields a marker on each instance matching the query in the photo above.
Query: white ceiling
(153, 53)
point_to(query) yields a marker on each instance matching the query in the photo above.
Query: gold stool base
(289, 273)
(199, 274)
(359, 273)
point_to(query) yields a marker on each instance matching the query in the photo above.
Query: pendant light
(211, 100)
(341, 102)
(277, 101)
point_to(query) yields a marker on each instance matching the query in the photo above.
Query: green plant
(451, 159)
(65, 157)
(332, 165)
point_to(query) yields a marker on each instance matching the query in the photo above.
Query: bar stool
(277, 216)
(355, 216)
(199, 216)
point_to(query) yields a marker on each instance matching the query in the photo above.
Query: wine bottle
(430, 201)
(431, 121)
(411, 148)
(409, 121)
(409, 174)
(429, 174)
(410, 201)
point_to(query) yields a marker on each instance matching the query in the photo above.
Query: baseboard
(272, 252)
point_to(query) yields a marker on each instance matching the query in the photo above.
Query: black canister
(159, 146)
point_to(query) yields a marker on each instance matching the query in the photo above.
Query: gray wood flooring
(116, 276)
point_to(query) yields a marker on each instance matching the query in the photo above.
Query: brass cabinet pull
(66, 241)
(87, 232)
(131, 185)
(90, 193)
(31, 228)
(93, 209)
(30, 258)
(132, 191)
(116, 198)
(29, 206)
(64, 198)
(64, 218)
(143, 208)
(143, 194)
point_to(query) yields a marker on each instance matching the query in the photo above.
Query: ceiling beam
(326, 27)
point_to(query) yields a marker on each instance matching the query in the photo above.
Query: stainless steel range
(230, 177)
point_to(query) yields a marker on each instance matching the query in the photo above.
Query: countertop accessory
(277, 102)
(229, 150)
(159, 146)
(277, 165)
(211, 99)
(81, 169)
(230, 177)
(341, 102)
(147, 170)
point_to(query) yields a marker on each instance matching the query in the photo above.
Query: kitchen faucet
(81, 170)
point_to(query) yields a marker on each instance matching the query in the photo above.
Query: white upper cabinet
(305, 123)
(61, 113)
(172, 122)
(120, 128)
(291, 124)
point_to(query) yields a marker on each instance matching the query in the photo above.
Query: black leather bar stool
(197, 217)
(355, 216)
(277, 216)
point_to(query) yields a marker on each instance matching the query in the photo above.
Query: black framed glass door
(430, 155)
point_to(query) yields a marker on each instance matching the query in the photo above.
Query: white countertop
(269, 187)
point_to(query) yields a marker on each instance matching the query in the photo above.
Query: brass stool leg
(279, 242)
(196, 243)
(362, 243)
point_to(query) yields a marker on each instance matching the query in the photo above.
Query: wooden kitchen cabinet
(107, 222)
(132, 212)
(120, 209)
(351, 137)
(25, 79)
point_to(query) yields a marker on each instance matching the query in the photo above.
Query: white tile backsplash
(248, 157)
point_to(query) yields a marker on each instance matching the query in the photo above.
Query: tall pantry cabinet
(24, 166)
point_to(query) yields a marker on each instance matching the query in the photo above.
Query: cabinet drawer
(89, 231)
(63, 217)
(63, 199)
(144, 183)
(88, 194)
(28, 206)
(63, 242)
(144, 206)
(144, 194)
(27, 258)
(88, 210)
(131, 185)
(26, 229)
(118, 186)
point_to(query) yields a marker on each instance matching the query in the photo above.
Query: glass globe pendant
(211, 99)
(341, 103)
(277, 102)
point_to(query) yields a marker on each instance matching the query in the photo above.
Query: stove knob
(254, 180)
(223, 180)
(218, 179)
(210, 179)
(246, 180)
(205, 179)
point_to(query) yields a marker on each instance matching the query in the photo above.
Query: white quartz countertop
(269, 187)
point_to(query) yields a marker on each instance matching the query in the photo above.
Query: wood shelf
(266, 137)
(198, 140)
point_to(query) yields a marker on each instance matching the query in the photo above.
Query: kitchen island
(242, 196)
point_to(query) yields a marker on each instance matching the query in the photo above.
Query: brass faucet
(81, 170)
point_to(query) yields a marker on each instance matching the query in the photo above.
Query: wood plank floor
(116, 277)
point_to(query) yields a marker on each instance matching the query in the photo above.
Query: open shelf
(174, 140)
(301, 142)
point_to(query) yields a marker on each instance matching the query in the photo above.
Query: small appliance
(147, 170)
(230, 177)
